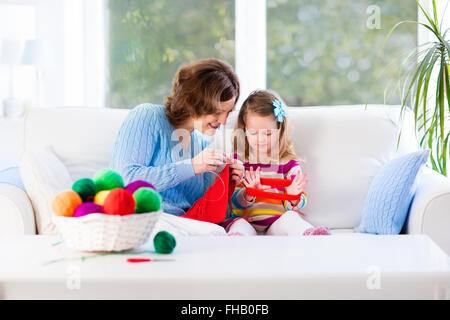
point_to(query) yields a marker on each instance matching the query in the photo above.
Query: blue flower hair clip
(278, 111)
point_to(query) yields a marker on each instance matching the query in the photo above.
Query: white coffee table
(260, 267)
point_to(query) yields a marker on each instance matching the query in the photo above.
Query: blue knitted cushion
(390, 194)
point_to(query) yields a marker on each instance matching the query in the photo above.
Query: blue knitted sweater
(146, 148)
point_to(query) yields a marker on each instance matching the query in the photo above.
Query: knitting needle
(137, 260)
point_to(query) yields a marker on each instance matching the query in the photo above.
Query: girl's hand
(252, 179)
(208, 160)
(236, 171)
(298, 184)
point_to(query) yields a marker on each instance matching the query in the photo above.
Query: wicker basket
(103, 232)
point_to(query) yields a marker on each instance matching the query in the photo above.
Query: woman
(158, 143)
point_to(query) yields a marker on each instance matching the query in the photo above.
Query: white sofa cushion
(44, 176)
(343, 149)
(11, 142)
(82, 138)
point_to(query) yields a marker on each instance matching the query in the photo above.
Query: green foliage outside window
(326, 52)
(318, 52)
(149, 40)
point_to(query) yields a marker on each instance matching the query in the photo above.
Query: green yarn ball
(107, 179)
(147, 200)
(85, 188)
(164, 242)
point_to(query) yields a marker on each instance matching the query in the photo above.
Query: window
(120, 53)
(318, 52)
(149, 40)
(17, 24)
(326, 52)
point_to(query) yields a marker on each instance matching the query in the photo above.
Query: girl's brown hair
(198, 88)
(260, 103)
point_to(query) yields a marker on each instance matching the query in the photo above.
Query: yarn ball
(85, 188)
(65, 203)
(147, 200)
(164, 242)
(119, 202)
(107, 179)
(101, 196)
(87, 208)
(133, 186)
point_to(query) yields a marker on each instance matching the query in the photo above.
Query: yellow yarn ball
(101, 196)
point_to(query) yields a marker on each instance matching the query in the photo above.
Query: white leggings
(290, 223)
(186, 227)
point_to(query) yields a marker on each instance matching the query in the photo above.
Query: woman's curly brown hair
(198, 88)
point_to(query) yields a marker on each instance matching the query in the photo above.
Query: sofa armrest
(430, 210)
(16, 211)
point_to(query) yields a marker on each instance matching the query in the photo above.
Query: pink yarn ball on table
(87, 208)
(133, 186)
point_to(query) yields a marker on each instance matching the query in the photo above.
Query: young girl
(267, 153)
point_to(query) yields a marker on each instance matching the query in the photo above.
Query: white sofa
(343, 148)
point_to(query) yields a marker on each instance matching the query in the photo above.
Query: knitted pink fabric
(318, 231)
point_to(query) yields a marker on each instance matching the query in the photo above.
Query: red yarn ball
(119, 202)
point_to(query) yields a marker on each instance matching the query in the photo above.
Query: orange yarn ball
(101, 196)
(65, 203)
(119, 202)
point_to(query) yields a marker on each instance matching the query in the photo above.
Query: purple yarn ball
(87, 208)
(133, 186)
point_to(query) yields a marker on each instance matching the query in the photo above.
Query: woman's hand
(252, 179)
(208, 160)
(236, 171)
(298, 184)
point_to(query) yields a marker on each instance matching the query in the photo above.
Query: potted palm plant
(432, 116)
